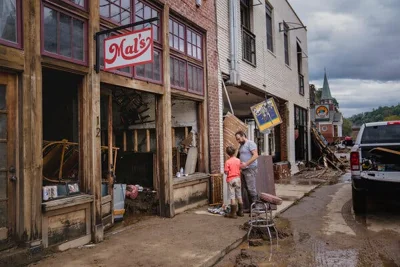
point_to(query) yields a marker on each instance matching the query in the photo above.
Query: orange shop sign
(128, 49)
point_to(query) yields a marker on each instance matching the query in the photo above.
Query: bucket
(119, 201)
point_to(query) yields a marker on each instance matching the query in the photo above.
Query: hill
(385, 113)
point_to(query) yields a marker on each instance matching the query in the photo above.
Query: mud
(323, 231)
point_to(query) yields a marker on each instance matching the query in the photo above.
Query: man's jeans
(249, 183)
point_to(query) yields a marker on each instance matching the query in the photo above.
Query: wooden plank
(66, 202)
(231, 125)
(147, 140)
(126, 82)
(186, 132)
(75, 243)
(163, 126)
(106, 199)
(191, 161)
(173, 137)
(135, 140)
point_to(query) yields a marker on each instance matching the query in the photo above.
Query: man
(248, 157)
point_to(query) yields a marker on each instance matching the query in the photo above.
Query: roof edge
(287, 1)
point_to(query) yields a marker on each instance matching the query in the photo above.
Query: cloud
(352, 39)
(356, 96)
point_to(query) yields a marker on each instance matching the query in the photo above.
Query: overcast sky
(358, 41)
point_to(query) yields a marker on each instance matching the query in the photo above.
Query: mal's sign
(128, 49)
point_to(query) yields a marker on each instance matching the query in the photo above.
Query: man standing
(248, 157)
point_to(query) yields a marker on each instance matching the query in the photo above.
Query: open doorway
(61, 176)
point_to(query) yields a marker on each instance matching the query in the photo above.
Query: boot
(240, 210)
(233, 212)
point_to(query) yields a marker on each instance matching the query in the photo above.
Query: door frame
(11, 81)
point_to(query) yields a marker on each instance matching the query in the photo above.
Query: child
(232, 171)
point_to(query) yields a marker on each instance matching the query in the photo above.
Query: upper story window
(245, 13)
(268, 17)
(186, 67)
(79, 3)
(123, 12)
(286, 43)
(64, 36)
(10, 23)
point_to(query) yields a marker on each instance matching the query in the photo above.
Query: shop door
(8, 178)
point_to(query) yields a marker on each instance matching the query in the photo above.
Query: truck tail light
(355, 161)
(393, 123)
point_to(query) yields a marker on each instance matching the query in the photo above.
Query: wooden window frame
(188, 59)
(269, 35)
(85, 36)
(84, 7)
(19, 43)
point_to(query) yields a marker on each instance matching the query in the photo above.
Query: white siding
(271, 74)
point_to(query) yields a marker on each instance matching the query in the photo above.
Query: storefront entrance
(8, 175)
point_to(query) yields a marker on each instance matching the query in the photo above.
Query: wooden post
(30, 182)
(163, 127)
(111, 160)
(90, 141)
(147, 140)
(135, 141)
(124, 141)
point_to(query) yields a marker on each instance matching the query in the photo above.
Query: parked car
(375, 161)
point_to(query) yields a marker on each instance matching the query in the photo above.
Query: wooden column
(90, 140)
(30, 182)
(163, 128)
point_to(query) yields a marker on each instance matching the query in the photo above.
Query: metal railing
(249, 46)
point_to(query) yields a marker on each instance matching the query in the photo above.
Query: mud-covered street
(322, 230)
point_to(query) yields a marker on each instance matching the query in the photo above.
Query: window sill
(250, 63)
(198, 176)
(288, 66)
(66, 202)
(271, 52)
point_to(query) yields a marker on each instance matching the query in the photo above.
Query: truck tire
(359, 201)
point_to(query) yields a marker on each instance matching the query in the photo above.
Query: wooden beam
(147, 140)
(12, 58)
(126, 82)
(63, 65)
(186, 132)
(30, 119)
(163, 126)
(186, 95)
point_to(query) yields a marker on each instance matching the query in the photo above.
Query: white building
(263, 53)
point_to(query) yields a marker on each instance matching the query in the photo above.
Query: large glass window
(10, 32)
(80, 3)
(63, 35)
(119, 11)
(151, 71)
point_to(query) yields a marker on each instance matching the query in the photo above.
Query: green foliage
(379, 114)
(347, 127)
(392, 118)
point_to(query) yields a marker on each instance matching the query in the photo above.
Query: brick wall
(204, 17)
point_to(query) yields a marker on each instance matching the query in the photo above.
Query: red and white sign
(128, 49)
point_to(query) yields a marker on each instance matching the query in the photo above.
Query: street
(323, 231)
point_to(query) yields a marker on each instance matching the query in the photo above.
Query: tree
(347, 127)
(392, 118)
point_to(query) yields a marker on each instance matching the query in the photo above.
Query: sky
(358, 42)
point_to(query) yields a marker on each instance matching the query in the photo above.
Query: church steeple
(326, 97)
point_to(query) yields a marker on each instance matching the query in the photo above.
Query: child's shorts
(235, 188)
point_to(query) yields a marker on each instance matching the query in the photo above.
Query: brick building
(326, 115)
(263, 54)
(68, 133)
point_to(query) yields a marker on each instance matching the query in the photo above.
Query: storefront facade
(68, 133)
